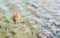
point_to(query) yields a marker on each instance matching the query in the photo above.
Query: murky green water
(39, 19)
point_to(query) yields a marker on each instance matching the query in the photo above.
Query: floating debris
(16, 17)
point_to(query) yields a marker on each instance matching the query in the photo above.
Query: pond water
(39, 18)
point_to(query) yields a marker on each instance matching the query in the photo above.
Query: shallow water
(38, 18)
